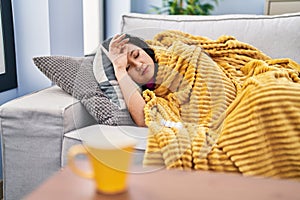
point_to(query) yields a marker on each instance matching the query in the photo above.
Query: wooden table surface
(170, 184)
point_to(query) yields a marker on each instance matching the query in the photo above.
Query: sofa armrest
(32, 129)
(51, 101)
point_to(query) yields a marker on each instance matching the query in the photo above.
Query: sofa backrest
(278, 36)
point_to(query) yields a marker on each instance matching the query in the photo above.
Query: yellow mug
(110, 157)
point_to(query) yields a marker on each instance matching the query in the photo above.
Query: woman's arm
(133, 99)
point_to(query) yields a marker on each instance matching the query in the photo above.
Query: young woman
(134, 63)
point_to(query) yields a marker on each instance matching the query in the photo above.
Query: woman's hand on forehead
(117, 46)
(118, 50)
(118, 42)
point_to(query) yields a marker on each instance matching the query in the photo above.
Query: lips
(144, 70)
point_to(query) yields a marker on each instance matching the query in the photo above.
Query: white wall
(32, 37)
(43, 27)
(114, 11)
(239, 7)
(93, 25)
(66, 27)
(28, 27)
(224, 6)
(144, 6)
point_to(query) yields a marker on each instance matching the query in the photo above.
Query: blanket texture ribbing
(223, 105)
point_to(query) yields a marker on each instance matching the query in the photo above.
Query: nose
(137, 65)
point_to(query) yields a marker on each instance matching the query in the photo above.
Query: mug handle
(72, 153)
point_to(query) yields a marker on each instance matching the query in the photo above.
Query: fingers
(119, 41)
(117, 46)
(118, 50)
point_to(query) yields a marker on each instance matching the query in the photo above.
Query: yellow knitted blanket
(223, 105)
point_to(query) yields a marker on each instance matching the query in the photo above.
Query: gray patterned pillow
(75, 76)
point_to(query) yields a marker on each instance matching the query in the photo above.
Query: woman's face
(140, 66)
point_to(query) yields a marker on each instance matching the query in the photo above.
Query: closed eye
(135, 53)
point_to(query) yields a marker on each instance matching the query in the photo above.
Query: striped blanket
(223, 105)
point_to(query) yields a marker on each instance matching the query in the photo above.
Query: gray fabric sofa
(37, 129)
(33, 142)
